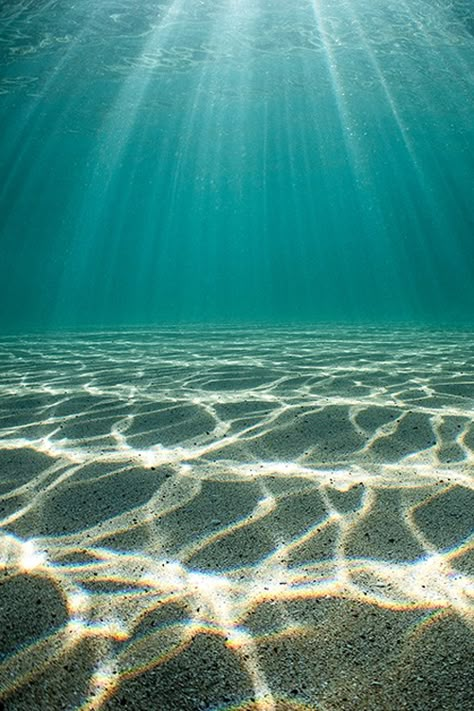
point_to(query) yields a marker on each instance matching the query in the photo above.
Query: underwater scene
(236, 355)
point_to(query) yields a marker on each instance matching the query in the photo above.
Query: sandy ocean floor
(237, 520)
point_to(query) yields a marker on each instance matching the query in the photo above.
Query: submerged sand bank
(278, 519)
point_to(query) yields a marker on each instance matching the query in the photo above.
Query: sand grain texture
(271, 520)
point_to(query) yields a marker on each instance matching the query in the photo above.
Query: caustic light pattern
(247, 520)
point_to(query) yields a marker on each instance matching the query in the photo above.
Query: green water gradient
(236, 161)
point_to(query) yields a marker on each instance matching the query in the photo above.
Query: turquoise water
(236, 355)
(236, 161)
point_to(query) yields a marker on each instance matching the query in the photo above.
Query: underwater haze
(234, 161)
(236, 355)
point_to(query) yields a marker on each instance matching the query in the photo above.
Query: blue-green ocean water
(236, 161)
(224, 517)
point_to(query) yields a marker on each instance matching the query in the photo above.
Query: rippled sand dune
(237, 519)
